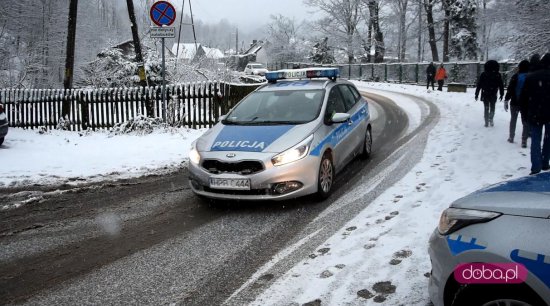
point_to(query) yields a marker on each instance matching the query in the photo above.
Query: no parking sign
(162, 13)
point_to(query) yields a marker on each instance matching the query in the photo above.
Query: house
(185, 52)
(258, 50)
(191, 53)
(211, 53)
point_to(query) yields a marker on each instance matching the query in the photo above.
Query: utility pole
(69, 60)
(137, 48)
(237, 41)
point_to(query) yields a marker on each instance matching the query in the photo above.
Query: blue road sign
(162, 13)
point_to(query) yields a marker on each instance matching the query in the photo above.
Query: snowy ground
(56, 157)
(378, 258)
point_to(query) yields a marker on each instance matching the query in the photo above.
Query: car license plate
(227, 183)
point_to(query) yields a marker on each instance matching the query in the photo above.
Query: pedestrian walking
(430, 75)
(535, 96)
(490, 83)
(512, 95)
(440, 77)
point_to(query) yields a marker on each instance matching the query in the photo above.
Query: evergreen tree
(463, 29)
(322, 53)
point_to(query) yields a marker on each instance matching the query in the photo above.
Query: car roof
(304, 84)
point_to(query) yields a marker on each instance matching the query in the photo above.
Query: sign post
(163, 14)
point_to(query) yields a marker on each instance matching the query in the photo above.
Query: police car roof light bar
(310, 73)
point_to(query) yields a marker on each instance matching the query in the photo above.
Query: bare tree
(401, 10)
(345, 14)
(446, 6)
(375, 35)
(428, 6)
(285, 41)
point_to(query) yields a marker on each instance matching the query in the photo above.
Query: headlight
(295, 153)
(194, 155)
(452, 219)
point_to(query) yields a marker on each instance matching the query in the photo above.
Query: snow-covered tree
(375, 37)
(116, 67)
(531, 21)
(285, 41)
(322, 53)
(464, 44)
(342, 20)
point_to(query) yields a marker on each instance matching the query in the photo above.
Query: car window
(277, 107)
(347, 95)
(335, 104)
(355, 93)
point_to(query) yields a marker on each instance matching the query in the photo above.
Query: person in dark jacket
(512, 95)
(534, 65)
(430, 75)
(489, 83)
(535, 96)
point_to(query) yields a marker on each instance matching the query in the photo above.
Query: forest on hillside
(33, 35)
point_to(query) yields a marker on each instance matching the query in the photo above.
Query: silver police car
(505, 224)
(286, 139)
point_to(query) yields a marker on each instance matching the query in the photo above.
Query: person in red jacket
(440, 77)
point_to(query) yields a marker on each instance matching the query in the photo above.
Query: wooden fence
(194, 105)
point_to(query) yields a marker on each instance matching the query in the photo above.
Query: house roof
(213, 53)
(254, 48)
(186, 51)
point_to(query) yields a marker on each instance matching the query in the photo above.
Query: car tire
(367, 145)
(487, 295)
(1, 141)
(325, 177)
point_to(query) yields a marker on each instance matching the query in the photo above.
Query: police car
(505, 225)
(287, 139)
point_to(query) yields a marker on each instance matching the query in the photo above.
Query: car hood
(527, 196)
(254, 138)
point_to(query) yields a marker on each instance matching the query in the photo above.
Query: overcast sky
(245, 13)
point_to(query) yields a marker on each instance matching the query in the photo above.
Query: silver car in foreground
(286, 139)
(3, 124)
(508, 224)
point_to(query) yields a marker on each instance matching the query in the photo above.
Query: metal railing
(408, 73)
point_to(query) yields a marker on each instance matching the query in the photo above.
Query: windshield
(277, 107)
(257, 66)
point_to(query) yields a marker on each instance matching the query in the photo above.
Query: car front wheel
(367, 145)
(505, 295)
(1, 141)
(325, 178)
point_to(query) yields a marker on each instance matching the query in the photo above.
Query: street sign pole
(164, 117)
(163, 14)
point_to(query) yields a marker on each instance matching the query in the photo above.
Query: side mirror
(340, 117)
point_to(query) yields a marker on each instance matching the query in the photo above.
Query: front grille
(238, 192)
(243, 167)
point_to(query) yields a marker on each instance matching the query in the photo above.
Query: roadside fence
(407, 73)
(192, 105)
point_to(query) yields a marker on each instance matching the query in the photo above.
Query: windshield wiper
(274, 122)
